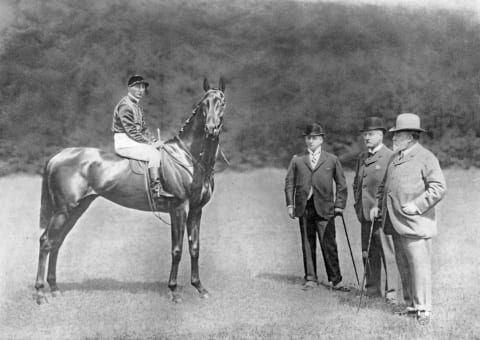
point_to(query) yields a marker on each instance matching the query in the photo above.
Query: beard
(400, 145)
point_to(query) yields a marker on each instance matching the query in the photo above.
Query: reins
(208, 169)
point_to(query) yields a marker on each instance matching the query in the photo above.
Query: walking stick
(350, 248)
(367, 263)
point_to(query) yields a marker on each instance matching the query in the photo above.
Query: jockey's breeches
(127, 147)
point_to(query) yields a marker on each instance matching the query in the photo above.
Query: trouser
(312, 225)
(414, 258)
(143, 152)
(381, 255)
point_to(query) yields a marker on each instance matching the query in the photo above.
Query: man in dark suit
(309, 196)
(370, 170)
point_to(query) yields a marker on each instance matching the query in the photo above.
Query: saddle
(136, 166)
(139, 167)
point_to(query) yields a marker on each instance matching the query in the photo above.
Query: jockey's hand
(291, 212)
(374, 213)
(158, 144)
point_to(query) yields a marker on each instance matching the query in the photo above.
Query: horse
(75, 177)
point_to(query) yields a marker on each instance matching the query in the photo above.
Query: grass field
(113, 271)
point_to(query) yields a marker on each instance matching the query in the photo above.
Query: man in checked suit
(370, 170)
(309, 196)
(412, 187)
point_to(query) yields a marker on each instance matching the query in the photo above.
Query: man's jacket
(128, 118)
(416, 178)
(369, 173)
(301, 178)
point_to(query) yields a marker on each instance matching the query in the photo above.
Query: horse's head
(212, 107)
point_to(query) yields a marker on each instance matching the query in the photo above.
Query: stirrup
(158, 192)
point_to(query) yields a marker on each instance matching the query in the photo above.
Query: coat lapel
(372, 159)
(306, 160)
(409, 156)
(323, 158)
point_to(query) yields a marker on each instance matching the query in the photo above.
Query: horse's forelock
(219, 93)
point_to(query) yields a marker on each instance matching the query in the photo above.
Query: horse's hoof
(56, 293)
(176, 298)
(204, 294)
(41, 299)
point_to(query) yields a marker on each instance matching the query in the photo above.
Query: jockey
(131, 137)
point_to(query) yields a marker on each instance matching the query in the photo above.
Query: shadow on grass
(283, 278)
(106, 284)
(352, 299)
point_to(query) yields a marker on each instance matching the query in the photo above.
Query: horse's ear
(221, 84)
(206, 85)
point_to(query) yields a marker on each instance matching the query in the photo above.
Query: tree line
(64, 65)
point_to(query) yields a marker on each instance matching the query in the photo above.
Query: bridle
(210, 136)
(220, 101)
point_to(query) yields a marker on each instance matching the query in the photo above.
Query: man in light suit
(413, 185)
(309, 196)
(370, 171)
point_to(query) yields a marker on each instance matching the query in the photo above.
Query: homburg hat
(407, 122)
(313, 129)
(373, 123)
(136, 79)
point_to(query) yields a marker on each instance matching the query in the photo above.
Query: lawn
(113, 271)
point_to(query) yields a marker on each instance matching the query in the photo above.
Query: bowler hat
(407, 121)
(373, 123)
(313, 129)
(136, 79)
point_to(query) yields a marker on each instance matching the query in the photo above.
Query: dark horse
(74, 177)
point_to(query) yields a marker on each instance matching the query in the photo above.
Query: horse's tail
(46, 203)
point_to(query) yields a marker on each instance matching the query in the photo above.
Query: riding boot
(156, 184)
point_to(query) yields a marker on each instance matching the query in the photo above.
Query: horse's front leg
(193, 230)
(178, 217)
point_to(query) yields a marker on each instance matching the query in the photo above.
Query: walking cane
(350, 248)
(367, 264)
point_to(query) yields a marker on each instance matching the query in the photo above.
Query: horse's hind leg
(46, 245)
(58, 236)
(193, 230)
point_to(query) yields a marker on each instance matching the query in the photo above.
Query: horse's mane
(188, 120)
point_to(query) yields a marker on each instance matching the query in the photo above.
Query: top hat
(373, 123)
(136, 79)
(313, 129)
(407, 121)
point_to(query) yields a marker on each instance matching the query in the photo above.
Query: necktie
(400, 155)
(313, 160)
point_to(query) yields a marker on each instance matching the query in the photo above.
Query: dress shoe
(391, 298)
(335, 286)
(340, 287)
(423, 317)
(309, 285)
(391, 301)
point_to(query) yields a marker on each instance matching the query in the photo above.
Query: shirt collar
(409, 149)
(132, 98)
(375, 149)
(317, 152)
